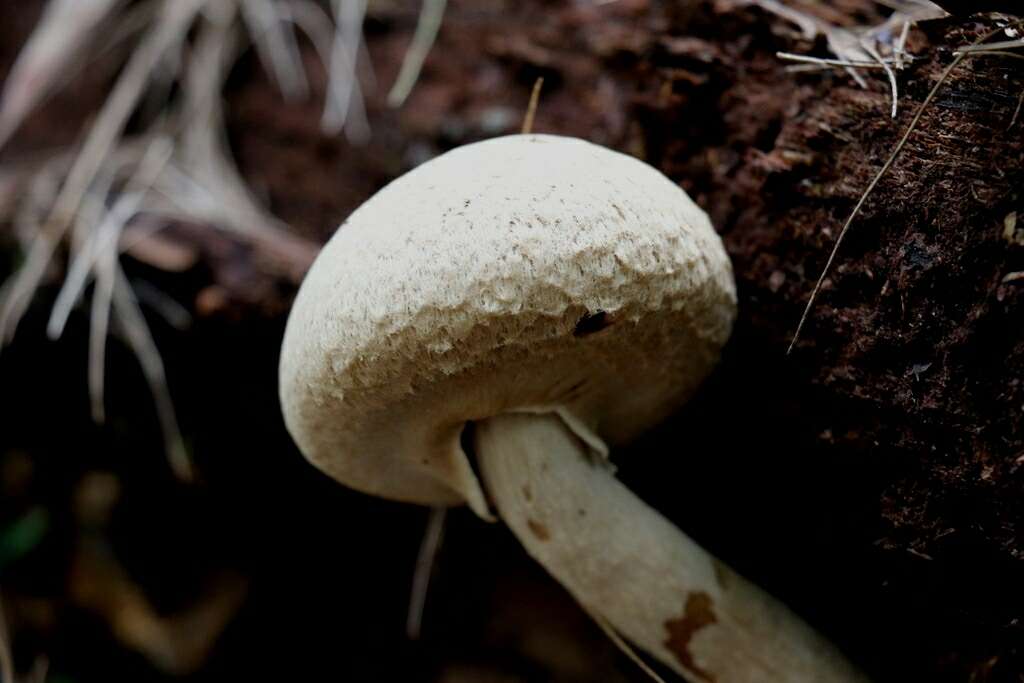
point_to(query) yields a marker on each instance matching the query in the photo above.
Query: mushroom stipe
(562, 298)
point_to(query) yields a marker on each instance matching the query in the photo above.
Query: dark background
(872, 480)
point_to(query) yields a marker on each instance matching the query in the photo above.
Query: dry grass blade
(847, 46)
(99, 323)
(40, 670)
(531, 108)
(176, 17)
(6, 660)
(137, 334)
(809, 26)
(105, 265)
(625, 648)
(195, 178)
(107, 233)
(345, 109)
(275, 42)
(960, 56)
(206, 184)
(103, 240)
(91, 212)
(878, 47)
(869, 46)
(315, 22)
(202, 148)
(911, 6)
(425, 561)
(169, 30)
(187, 199)
(1016, 112)
(900, 48)
(431, 15)
(65, 27)
(157, 301)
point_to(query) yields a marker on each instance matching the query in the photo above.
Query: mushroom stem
(626, 563)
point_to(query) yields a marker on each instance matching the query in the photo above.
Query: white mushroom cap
(528, 273)
(538, 274)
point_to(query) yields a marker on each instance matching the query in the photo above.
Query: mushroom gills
(623, 561)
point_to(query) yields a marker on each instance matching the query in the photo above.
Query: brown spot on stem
(696, 615)
(527, 493)
(538, 529)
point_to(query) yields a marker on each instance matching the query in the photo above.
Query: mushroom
(557, 297)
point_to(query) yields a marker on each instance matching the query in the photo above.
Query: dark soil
(874, 479)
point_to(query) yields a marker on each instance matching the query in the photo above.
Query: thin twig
(993, 53)
(824, 61)
(624, 647)
(433, 536)
(874, 183)
(1016, 113)
(1001, 45)
(531, 109)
